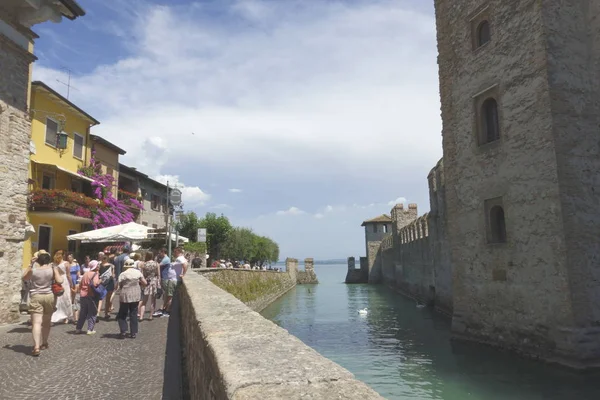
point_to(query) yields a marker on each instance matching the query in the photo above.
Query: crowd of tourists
(59, 289)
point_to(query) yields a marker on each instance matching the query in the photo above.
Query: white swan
(364, 311)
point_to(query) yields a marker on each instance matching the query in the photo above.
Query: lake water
(405, 353)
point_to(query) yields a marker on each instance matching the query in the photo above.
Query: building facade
(520, 94)
(153, 196)
(16, 57)
(60, 148)
(107, 154)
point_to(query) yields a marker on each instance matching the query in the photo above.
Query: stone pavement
(115, 368)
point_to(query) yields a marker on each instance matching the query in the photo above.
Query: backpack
(99, 292)
(106, 277)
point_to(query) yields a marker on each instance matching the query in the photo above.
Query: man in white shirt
(180, 265)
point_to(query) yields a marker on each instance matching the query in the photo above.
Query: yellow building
(60, 199)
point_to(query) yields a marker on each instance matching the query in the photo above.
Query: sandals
(44, 346)
(35, 352)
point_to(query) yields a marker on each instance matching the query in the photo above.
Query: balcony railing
(127, 197)
(63, 200)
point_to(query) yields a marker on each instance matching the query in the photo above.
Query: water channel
(404, 352)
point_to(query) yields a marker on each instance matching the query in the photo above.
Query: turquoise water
(405, 353)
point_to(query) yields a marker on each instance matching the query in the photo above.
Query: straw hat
(129, 263)
(38, 253)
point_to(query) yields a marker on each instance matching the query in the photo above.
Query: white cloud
(191, 196)
(291, 211)
(235, 190)
(319, 216)
(399, 200)
(221, 206)
(328, 80)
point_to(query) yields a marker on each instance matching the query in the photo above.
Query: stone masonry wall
(15, 131)
(529, 292)
(356, 275)
(231, 352)
(308, 276)
(573, 46)
(413, 269)
(438, 240)
(257, 289)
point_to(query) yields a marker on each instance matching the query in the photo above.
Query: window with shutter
(51, 132)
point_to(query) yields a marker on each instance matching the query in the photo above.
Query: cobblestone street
(96, 367)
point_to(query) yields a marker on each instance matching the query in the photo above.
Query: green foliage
(243, 244)
(225, 241)
(217, 232)
(195, 247)
(250, 290)
(188, 225)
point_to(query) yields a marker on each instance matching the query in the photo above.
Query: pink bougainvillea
(114, 212)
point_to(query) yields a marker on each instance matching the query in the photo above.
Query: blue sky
(299, 119)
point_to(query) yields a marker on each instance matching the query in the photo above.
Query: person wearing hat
(131, 280)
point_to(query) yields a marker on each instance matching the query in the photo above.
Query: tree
(266, 250)
(240, 244)
(188, 225)
(217, 232)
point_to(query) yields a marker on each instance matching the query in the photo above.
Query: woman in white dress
(64, 306)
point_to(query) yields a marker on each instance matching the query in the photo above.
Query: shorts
(42, 304)
(169, 287)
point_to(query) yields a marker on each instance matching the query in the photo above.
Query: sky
(297, 118)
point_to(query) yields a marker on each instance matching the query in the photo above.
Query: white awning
(75, 174)
(130, 232)
(119, 233)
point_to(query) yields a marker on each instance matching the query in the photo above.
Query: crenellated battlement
(387, 243)
(417, 229)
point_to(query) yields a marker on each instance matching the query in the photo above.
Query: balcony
(128, 199)
(63, 204)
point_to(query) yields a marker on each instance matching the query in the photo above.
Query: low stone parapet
(232, 352)
(256, 288)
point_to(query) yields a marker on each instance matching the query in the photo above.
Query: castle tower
(402, 217)
(520, 94)
(375, 230)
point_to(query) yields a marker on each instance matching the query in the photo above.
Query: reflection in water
(405, 352)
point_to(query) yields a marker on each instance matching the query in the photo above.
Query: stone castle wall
(414, 258)
(308, 276)
(538, 291)
(15, 131)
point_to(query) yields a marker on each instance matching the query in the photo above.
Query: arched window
(497, 224)
(385, 228)
(483, 33)
(374, 228)
(489, 124)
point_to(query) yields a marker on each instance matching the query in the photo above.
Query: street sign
(202, 235)
(175, 197)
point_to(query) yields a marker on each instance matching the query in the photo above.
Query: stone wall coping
(201, 270)
(255, 358)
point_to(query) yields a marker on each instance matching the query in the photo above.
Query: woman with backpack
(107, 279)
(89, 304)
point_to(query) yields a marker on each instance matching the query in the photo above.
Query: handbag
(99, 291)
(57, 288)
